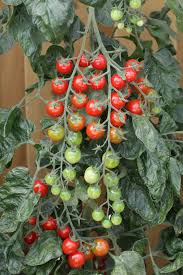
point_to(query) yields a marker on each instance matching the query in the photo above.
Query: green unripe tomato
(156, 110)
(134, 19)
(116, 14)
(121, 26)
(69, 174)
(74, 138)
(94, 192)
(65, 195)
(72, 155)
(118, 206)
(116, 219)
(114, 194)
(128, 29)
(140, 23)
(135, 4)
(51, 179)
(98, 215)
(106, 223)
(110, 160)
(55, 190)
(111, 180)
(92, 175)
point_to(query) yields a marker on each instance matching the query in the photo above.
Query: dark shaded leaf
(173, 266)
(167, 124)
(178, 225)
(93, 3)
(103, 15)
(175, 174)
(177, 8)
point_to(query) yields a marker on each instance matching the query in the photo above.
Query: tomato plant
(49, 224)
(70, 246)
(101, 247)
(76, 122)
(59, 86)
(95, 130)
(64, 232)
(55, 108)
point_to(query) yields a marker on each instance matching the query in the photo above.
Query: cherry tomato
(116, 101)
(114, 194)
(106, 223)
(116, 14)
(116, 135)
(110, 160)
(31, 237)
(76, 122)
(94, 107)
(142, 86)
(111, 180)
(99, 63)
(56, 133)
(79, 84)
(40, 187)
(95, 130)
(116, 219)
(88, 252)
(72, 155)
(118, 206)
(135, 4)
(134, 106)
(55, 190)
(65, 195)
(118, 119)
(69, 174)
(101, 248)
(59, 86)
(117, 82)
(64, 232)
(32, 220)
(49, 224)
(64, 66)
(55, 108)
(51, 178)
(133, 64)
(76, 260)
(69, 246)
(130, 75)
(97, 84)
(98, 215)
(128, 92)
(74, 138)
(94, 192)
(84, 61)
(92, 175)
(79, 101)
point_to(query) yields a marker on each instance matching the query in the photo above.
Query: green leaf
(146, 132)
(93, 3)
(140, 245)
(178, 225)
(46, 123)
(15, 258)
(128, 263)
(167, 124)
(177, 8)
(174, 245)
(12, 2)
(26, 208)
(46, 268)
(103, 15)
(45, 249)
(12, 116)
(176, 171)
(6, 42)
(173, 266)
(177, 113)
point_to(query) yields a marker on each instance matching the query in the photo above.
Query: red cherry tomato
(32, 220)
(59, 86)
(118, 119)
(116, 135)
(69, 246)
(55, 108)
(95, 130)
(133, 64)
(117, 82)
(76, 122)
(101, 248)
(64, 66)
(98, 84)
(84, 62)
(31, 237)
(79, 84)
(99, 63)
(49, 224)
(134, 106)
(130, 75)
(94, 107)
(79, 101)
(64, 232)
(116, 101)
(76, 260)
(40, 187)
(142, 86)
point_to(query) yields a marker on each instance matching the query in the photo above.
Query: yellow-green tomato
(98, 215)
(55, 190)
(110, 160)
(92, 175)
(69, 174)
(116, 14)
(72, 155)
(56, 133)
(111, 180)
(118, 206)
(65, 195)
(74, 138)
(106, 223)
(94, 192)
(135, 4)
(116, 219)
(51, 179)
(121, 26)
(114, 194)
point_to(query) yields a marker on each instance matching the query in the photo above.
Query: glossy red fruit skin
(98, 84)
(59, 86)
(64, 67)
(133, 64)
(32, 220)
(116, 101)
(92, 109)
(64, 232)
(55, 108)
(115, 119)
(99, 63)
(117, 82)
(94, 133)
(79, 101)
(134, 107)
(142, 87)
(69, 246)
(40, 187)
(31, 237)
(130, 75)
(84, 62)
(76, 260)
(101, 248)
(49, 224)
(79, 85)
